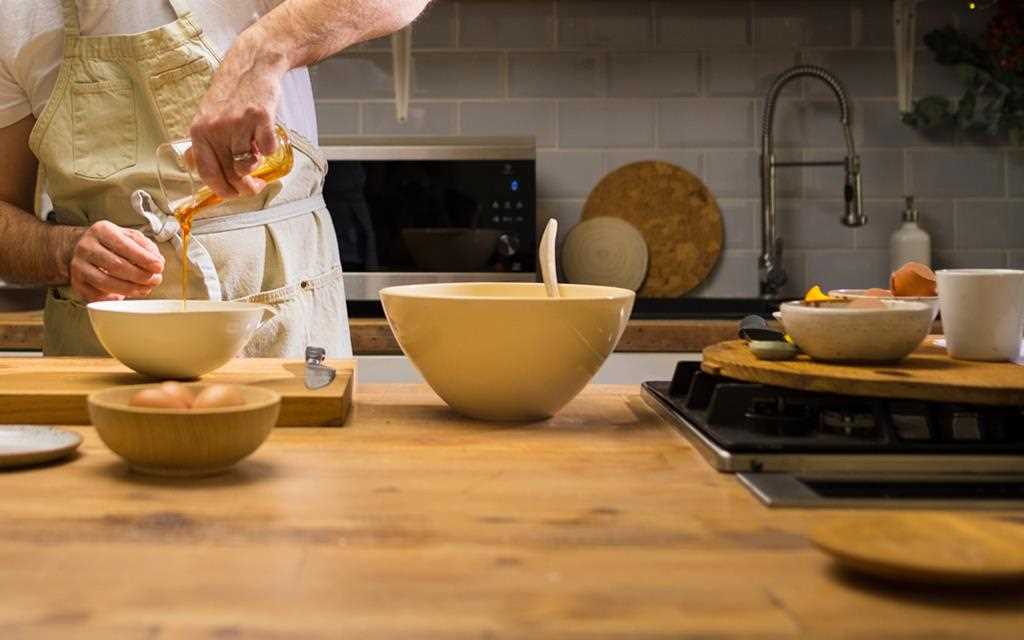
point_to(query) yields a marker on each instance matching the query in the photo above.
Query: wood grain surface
(927, 374)
(373, 336)
(21, 330)
(414, 523)
(54, 390)
(676, 214)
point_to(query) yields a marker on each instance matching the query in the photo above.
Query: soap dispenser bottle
(910, 243)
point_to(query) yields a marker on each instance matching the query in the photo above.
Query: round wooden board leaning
(605, 251)
(927, 374)
(677, 215)
(930, 549)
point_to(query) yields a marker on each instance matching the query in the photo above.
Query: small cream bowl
(164, 340)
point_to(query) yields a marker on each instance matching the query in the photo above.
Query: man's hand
(112, 263)
(235, 118)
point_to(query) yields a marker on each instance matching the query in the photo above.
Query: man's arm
(30, 252)
(101, 262)
(237, 113)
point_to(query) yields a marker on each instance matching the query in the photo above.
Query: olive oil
(271, 168)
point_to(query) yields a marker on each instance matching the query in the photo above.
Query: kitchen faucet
(771, 272)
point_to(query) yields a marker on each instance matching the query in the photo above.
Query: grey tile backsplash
(602, 83)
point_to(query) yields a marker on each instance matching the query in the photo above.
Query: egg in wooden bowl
(173, 429)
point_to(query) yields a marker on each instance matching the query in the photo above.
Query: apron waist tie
(164, 228)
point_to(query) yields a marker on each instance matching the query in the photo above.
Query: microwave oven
(416, 210)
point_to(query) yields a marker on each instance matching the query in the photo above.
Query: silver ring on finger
(243, 157)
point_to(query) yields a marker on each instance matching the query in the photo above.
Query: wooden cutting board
(927, 374)
(927, 548)
(677, 215)
(54, 390)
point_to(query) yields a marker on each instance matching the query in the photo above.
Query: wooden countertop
(412, 523)
(372, 336)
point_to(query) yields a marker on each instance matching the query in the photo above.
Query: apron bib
(115, 100)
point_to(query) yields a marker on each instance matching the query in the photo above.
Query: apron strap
(276, 213)
(70, 8)
(180, 8)
(162, 227)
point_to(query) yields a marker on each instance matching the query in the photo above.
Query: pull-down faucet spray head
(770, 265)
(853, 194)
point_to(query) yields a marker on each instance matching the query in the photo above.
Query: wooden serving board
(54, 390)
(927, 548)
(928, 374)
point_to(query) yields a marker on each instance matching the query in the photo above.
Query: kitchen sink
(702, 308)
(19, 299)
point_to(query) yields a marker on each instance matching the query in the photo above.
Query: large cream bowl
(160, 339)
(506, 351)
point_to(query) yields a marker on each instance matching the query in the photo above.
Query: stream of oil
(273, 167)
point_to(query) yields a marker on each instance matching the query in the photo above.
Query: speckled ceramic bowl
(833, 331)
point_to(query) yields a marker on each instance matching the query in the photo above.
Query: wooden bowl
(182, 442)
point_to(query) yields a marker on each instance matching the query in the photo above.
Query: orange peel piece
(815, 294)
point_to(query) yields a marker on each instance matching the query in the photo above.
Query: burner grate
(743, 417)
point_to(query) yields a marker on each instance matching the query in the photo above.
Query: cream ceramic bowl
(157, 338)
(856, 294)
(182, 442)
(505, 351)
(832, 331)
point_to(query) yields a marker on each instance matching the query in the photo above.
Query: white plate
(22, 445)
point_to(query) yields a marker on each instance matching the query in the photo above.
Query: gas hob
(798, 448)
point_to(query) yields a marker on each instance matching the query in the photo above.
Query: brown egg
(878, 293)
(181, 394)
(218, 395)
(156, 398)
(913, 279)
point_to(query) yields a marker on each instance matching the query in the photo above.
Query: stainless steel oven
(416, 210)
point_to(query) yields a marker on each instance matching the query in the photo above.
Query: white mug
(982, 312)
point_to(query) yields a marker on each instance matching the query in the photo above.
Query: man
(82, 111)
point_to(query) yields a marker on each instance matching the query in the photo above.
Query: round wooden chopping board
(677, 216)
(927, 548)
(927, 374)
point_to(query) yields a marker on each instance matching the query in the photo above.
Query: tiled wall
(601, 83)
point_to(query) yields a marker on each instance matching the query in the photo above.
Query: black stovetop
(741, 417)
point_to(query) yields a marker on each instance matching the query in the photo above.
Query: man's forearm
(234, 121)
(33, 252)
(299, 33)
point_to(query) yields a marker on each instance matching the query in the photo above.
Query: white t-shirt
(32, 41)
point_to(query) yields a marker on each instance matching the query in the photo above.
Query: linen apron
(115, 100)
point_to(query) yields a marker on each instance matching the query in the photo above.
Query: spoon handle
(547, 258)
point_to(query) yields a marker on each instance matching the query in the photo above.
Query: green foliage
(992, 103)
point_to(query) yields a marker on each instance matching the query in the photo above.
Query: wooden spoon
(547, 258)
